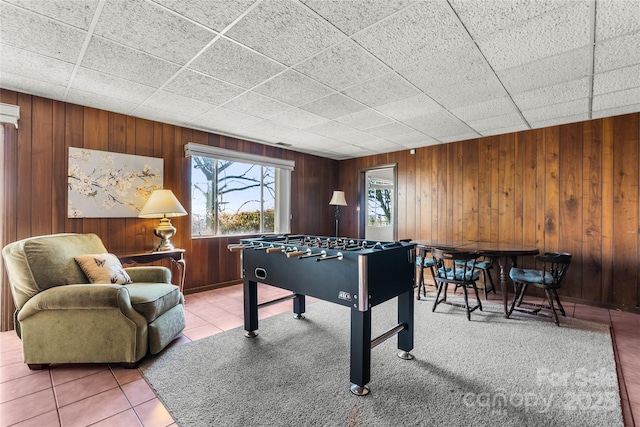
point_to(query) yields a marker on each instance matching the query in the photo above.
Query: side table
(176, 256)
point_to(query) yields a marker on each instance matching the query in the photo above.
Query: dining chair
(484, 264)
(548, 278)
(463, 275)
(423, 262)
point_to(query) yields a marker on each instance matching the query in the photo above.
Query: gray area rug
(490, 371)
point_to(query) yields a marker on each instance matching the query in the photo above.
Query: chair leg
(521, 296)
(466, 302)
(438, 300)
(553, 308)
(475, 289)
(555, 294)
(516, 293)
(487, 273)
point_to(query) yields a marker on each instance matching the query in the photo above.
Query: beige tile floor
(107, 395)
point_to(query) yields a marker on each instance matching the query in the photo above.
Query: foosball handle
(295, 254)
(235, 248)
(272, 250)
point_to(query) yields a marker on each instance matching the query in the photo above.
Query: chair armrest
(153, 274)
(78, 297)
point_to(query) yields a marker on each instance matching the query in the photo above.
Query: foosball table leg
(299, 306)
(250, 308)
(360, 367)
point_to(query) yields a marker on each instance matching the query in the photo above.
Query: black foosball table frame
(350, 272)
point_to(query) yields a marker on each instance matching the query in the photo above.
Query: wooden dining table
(505, 253)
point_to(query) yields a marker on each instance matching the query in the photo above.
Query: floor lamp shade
(163, 204)
(338, 200)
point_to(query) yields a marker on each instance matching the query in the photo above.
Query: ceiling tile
(100, 102)
(564, 109)
(213, 14)
(354, 137)
(482, 17)
(202, 87)
(168, 101)
(560, 121)
(409, 108)
(35, 33)
(270, 128)
(225, 119)
(548, 71)
(617, 53)
(354, 15)
(23, 84)
(293, 88)
(343, 65)
(285, 31)
(411, 139)
(444, 69)
(333, 106)
(440, 124)
(563, 92)
(78, 14)
(461, 135)
(616, 99)
(102, 84)
(28, 64)
(615, 18)
(505, 130)
(121, 61)
(364, 119)
(414, 34)
(298, 118)
(468, 92)
(330, 129)
(389, 130)
(230, 62)
(616, 111)
(257, 105)
(353, 150)
(558, 31)
(381, 144)
(382, 90)
(620, 79)
(496, 122)
(483, 110)
(153, 30)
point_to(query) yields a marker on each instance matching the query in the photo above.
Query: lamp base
(165, 231)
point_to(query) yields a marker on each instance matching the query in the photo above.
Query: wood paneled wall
(570, 188)
(36, 181)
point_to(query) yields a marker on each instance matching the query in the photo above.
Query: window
(380, 202)
(238, 193)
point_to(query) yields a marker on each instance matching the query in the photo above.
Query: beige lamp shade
(162, 203)
(338, 199)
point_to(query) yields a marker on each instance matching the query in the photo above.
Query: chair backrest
(446, 269)
(38, 263)
(556, 264)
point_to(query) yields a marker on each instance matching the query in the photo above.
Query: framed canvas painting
(110, 185)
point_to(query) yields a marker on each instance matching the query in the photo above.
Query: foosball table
(351, 272)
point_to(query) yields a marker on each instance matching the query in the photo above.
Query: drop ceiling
(339, 79)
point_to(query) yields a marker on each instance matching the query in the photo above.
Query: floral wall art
(110, 185)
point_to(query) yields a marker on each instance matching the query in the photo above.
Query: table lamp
(163, 204)
(338, 200)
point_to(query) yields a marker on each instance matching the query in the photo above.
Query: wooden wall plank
(592, 210)
(41, 166)
(625, 211)
(570, 209)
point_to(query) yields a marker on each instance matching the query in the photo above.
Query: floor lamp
(338, 200)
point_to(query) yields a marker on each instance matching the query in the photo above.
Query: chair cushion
(459, 274)
(103, 268)
(428, 262)
(482, 265)
(530, 276)
(152, 300)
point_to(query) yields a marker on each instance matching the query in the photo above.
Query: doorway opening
(377, 219)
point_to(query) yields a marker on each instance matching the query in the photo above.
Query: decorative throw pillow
(103, 268)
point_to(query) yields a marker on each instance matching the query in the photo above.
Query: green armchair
(61, 317)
